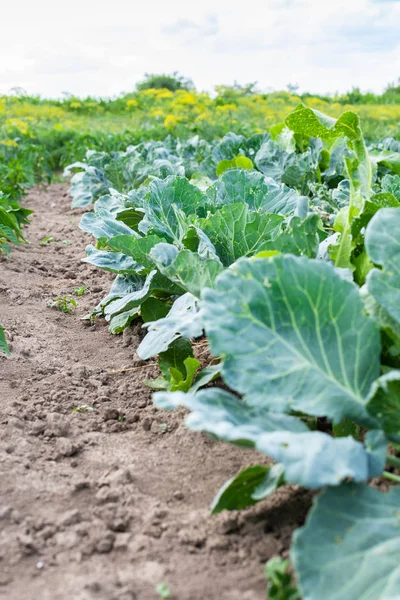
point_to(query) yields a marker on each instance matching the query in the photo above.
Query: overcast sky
(103, 47)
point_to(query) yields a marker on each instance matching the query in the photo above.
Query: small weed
(280, 585)
(163, 591)
(122, 418)
(65, 304)
(84, 408)
(46, 240)
(80, 291)
(49, 239)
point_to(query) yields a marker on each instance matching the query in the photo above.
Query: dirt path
(106, 504)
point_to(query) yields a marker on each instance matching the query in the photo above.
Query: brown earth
(107, 503)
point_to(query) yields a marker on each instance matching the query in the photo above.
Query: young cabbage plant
(312, 123)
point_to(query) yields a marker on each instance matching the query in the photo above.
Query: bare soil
(107, 502)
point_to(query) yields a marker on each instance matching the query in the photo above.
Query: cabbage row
(282, 249)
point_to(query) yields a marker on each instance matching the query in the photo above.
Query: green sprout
(46, 240)
(65, 304)
(280, 586)
(163, 591)
(84, 408)
(49, 239)
(80, 291)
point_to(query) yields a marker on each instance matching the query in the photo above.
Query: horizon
(20, 92)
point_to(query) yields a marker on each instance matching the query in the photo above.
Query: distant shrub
(172, 82)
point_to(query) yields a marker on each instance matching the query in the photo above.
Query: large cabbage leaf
(236, 231)
(166, 205)
(102, 224)
(305, 342)
(260, 193)
(137, 248)
(350, 546)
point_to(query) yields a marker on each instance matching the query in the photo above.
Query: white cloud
(182, 26)
(103, 48)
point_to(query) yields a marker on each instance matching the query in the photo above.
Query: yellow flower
(18, 124)
(226, 108)
(185, 98)
(9, 143)
(75, 105)
(202, 117)
(164, 93)
(170, 122)
(150, 92)
(132, 103)
(156, 113)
